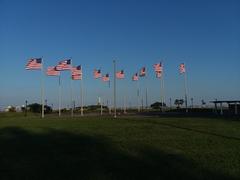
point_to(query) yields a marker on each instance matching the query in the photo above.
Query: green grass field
(124, 148)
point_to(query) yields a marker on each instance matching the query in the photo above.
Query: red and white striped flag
(77, 73)
(142, 72)
(182, 68)
(135, 77)
(97, 73)
(106, 78)
(158, 67)
(34, 64)
(64, 65)
(159, 74)
(51, 71)
(120, 74)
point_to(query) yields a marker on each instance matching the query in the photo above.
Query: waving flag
(135, 77)
(158, 67)
(77, 73)
(51, 71)
(158, 74)
(142, 72)
(182, 68)
(64, 65)
(120, 74)
(106, 78)
(77, 77)
(97, 73)
(34, 64)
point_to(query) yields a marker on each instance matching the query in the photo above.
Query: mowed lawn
(124, 148)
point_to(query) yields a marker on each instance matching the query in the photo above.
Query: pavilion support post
(215, 104)
(236, 109)
(221, 108)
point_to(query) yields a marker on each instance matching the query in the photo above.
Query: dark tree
(157, 105)
(179, 102)
(37, 108)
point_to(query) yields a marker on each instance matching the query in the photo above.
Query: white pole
(146, 90)
(71, 97)
(146, 98)
(71, 89)
(185, 87)
(125, 108)
(101, 111)
(161, 93)
(81, 93)
(109, 107)
(114, 89)
(138, 95)
(221, 109)
(42, 89)
(163, 89)
(59, 95)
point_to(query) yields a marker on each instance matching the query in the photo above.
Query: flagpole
(42, 89)
(101, 107)
(125, 108)
(161, 96)
(114, 89)
(163, 92)
(71, 90)
(138, 95)
(81, 93)
(109, 107)
(185, 87)
(163, 83)
(146, 90)
(146, 98)
(59, 95)
(164, 97)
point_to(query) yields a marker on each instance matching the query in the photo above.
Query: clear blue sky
(203, 33)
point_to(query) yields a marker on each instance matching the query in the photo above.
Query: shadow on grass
(63, 155)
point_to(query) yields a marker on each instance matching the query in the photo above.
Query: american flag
(34, 64)
(77, 73)
(77, 77)
(64, 65)
(106, 78)
(51, 71)
(159, 74)
(97, 73)
(182, 68)
(142, 72)
(135, 77)
(120, 74)
(158, 67)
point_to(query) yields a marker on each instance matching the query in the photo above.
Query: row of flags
(76, 72)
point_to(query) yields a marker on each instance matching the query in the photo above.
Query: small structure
(233, 106)
(10, 108)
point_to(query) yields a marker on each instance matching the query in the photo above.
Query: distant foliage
(95, 107)
(157, 105)
(179, 102)
(37, 108)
